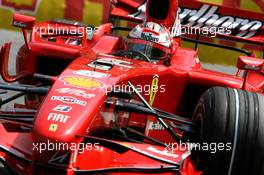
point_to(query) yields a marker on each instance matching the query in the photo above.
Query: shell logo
(82, 82)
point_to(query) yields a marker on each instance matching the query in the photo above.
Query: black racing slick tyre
(232, 132)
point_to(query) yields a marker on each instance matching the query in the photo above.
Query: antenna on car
(163, 123)
(96, 58)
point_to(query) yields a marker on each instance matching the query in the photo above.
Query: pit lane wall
(96, 12)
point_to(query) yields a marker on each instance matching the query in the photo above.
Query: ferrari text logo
(154, 89)
(82, 82)
(53, 127)
(58, 117)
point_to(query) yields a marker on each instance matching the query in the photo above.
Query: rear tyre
(232, 125)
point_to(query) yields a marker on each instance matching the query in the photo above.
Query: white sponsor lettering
(109, 63)
(92, 74)
(155, 126)
(207, 16)
(19, 24)
(77, 92)
(164, 152)
(69, 100)
(58, 117)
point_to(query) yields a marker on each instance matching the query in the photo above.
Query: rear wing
(231, 23)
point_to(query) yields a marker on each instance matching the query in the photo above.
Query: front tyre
(235, 119)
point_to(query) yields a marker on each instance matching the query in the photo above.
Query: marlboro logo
(207, 16)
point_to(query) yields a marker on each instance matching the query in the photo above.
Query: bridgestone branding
(69, 100)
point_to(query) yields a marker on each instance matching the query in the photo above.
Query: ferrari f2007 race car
(100, 103)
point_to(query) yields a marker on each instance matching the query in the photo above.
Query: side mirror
(250, 63)
(23, 21)
(4, 59)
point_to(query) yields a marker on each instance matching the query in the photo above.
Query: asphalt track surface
(17, 40)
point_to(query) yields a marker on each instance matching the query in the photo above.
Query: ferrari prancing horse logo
(53, 127)
(154, 89)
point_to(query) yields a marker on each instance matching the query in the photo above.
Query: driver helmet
(152, 39)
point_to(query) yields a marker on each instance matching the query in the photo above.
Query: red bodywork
(83, 85)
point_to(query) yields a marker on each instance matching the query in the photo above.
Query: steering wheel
(132, 54)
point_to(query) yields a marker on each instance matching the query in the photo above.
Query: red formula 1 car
(99, 103)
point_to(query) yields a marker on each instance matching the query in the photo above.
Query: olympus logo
(207, 16)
